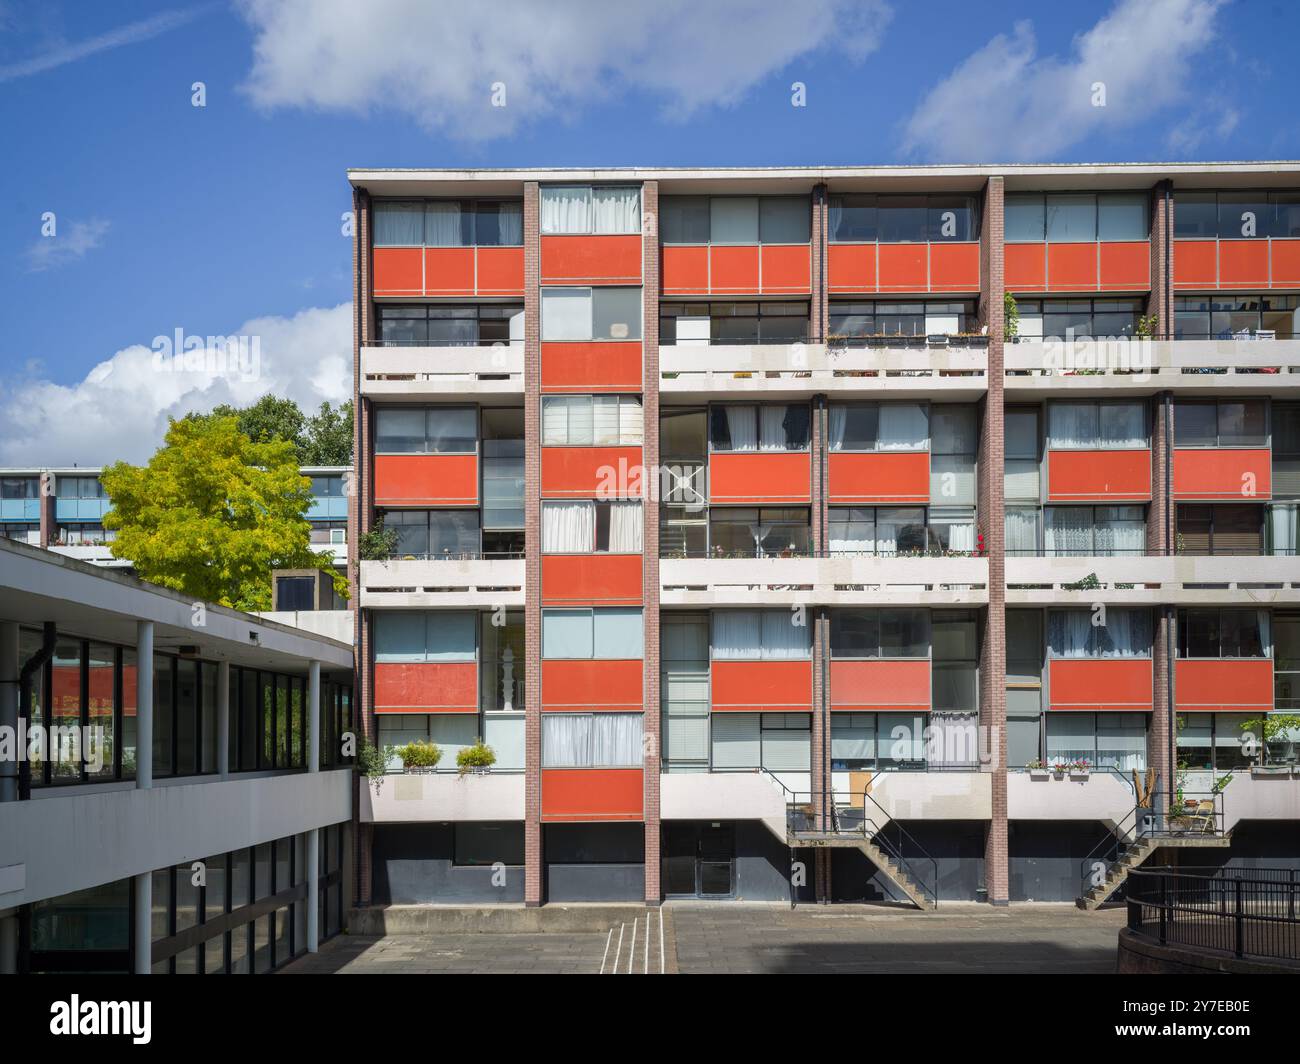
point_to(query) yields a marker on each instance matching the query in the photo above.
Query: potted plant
(1058, 768)
(372, 761)
(419, 756)
(1080, 768)
(476, 759)
(1037, 770)
(378, 544)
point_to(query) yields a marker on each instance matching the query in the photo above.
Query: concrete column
(143, 921)
(223, 719)
(9, 944)
(313, 717)
(10, 667)
(312, 876)
(144, 706)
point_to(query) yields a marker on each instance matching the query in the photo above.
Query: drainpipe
(1171, 637)
(34, 664)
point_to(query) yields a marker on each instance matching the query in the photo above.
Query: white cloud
(438, 62)
(119, 410)
(1007, 103)
(66, 246)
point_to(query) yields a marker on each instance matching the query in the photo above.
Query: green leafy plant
(377, 544)
(1011, 314)
(479, 755)
(1088, 583)
(1147, 325)
(1271, 728)
(419, 754)
(372, 761)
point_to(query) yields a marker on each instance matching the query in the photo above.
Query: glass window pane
(733, 220)
(618, 634)
(566, 314)
(902, 219)
(565, 209)
(1122, 216)
(684, 219)
(784, 220)
(616, 313)
(1024, 218)
(1196, 214)
(1071, 218)
(567, 634)
(399, 224)
(452, 430)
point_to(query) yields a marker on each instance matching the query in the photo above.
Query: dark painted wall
(761, 863)
(415, 864)
(957, 850)
(594, 862)
(1047, 857)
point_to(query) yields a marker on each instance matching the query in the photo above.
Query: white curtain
(616, 740)
(616, 210)
(1067, 530)
(625, 526)
(566, 314)
(1123, 425)
(903, 427)
(568, 527)
(1022, 531)
(742, 426)
(399, 225)
(1121, 530)
(782, 638)
(1072, 425)
(630, 421)
(737, 634)
(605, 430)
(853, 531)
(961, 536)
(566, 740)
(442, 224)
(1282, 527)
(839, 422)
(510, 220)
(566, 209)
(1125, 633)
(772, 428)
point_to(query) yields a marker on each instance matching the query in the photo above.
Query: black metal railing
(448, 556)
(1241, 912)
(724, 553)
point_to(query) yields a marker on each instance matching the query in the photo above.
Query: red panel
(592, 472)
(1221, 473)
(1286, 263)
(787, 268)
(1196, 263)
(426, 687)
(591, 579)
(1071, 267)
(1100, 685)
(1243, 262)
(1096, 476)
(784, 477)
(586, 685)
(880, 685)
(762, 686)
(852, 267)
(1126, 266)
(904, 267)
(426, 480)
(1026, 267)
(501, 271)
(886, 476)
(449, 271)
(733, 269)
(591, 259)
(606, 366)
(1242, 686)
(685, 270)
(954, 267)
(399, 271)
(586, 794)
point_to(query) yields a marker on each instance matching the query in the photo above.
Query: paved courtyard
(731, 938)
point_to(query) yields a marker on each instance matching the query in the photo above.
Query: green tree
(328, 440)
(213, 512)
(324, 438)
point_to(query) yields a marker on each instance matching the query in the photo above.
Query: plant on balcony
(1038, 768)
(1146, 326)
(377, 544)
(372, 761)
(477, 758)
(1011, 316)
(1088, 583)
(1080, 767)
(1269, 729)
(419, 756)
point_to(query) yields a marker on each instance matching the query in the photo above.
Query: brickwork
(650, 536)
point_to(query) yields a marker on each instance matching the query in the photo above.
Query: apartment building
(736, 506)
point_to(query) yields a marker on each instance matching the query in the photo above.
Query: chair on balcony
(1202, 817)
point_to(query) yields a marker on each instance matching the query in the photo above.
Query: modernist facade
(725, 497)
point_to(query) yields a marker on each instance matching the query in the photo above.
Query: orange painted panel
(591, 579)
(885, 476)
(426, 687)
(904, 267)
(1196, 263)
(1071, 267)
(762, 686)
(1221, 473)
(1243, 262)
(1286, 263)
(609, 259)
(426, 480)
(1026, 267)
(881, 685)
(592, 472)
(852, 267)
(1100, 685)
(605, 366)
(787, 268)
(780, 476)
(1126, 265)
(954, 267)
(587, 794)
(449, 271)
(399, 271)
(1212, 686)
(685, 270)
(501, 271)
(586, 685)
(733, 269)
(1098, 476)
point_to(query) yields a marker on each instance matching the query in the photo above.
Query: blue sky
(226, 218)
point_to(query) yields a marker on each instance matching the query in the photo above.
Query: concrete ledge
(490, 919)
(1140, 956)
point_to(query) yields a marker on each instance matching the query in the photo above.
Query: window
(1070, 319)
(449, 325)
(760, 635)
(1226, 317)
(1096, 425)
(879, 427)
(853, 741)
(1102, 531)
(426, 430)
(20, 487)
(1229, 633)
(684, 219)
(752, 532)
(79, 488)
(1116, 632)
(1070, 217)
(402, 636)
(327, 486)
(434, 533)
(684, 689)
(735, 219)
(591, 421)
(1236, 215)
(483, 845)
(888, 633)
(954, 443)
(884, 530)
(591, 314)
(859, 319)
(1196, 214)
(1107, 740)
(1229, 529)
(867, 219)
(701, 324)
(607, 634)
(1226, 423)
(778, 742)
(580, 209)
(449, 223)
(592, 740)
(582, 527)
(768, 427)
(1209, 741)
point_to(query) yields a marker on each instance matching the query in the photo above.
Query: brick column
(47, 488)
(1160, 754)
(650, 536)
(533, 887)
(993, 654)
(1160, 301)
(819, 310)
(1161, 540)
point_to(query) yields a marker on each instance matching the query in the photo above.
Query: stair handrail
(907, 836)
(1113, 846)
